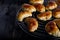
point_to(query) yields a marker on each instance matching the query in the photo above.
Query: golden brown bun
(28, 7)
(56, 13)
(51, 5)
(52, 28)
(32, 24)
(40, 7)
(23, 14)
(36, 1)
(58, 2)
(45, 16)
(57, 21)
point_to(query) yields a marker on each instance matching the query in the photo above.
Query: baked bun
(51, 5)
(40, 7)
(57, 21)
(23, 14)
(56, 13)
(36, 1)
(32, 24)
(45, 16)
(28, 7)
(52, 28)
(58, 2)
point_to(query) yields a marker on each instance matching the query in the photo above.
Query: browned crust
(22, 13)
(39, 7)
(45, 14)
(32, 24)
(28, 7)
(50, 4)
(57, 21)
(51, 27)
(56, 12)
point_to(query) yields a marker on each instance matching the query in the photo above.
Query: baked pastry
(28, 7)
(58, 2)
(52, 29)
(45, 16)
(36, 1)
(32, 24)
(51, 5)
(57, 21)
(40, 7)
(56, 13)
(23, 14)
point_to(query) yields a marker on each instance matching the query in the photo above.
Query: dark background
(8, 28)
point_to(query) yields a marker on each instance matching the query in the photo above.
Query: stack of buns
(45, 13)
(27, 10)
(26, 14)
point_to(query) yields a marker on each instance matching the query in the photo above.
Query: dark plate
(40, 32)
